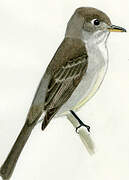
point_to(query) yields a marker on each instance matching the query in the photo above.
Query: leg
(80, 122)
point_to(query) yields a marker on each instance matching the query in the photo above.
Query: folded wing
(66, 75)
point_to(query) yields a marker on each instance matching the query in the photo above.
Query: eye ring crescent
(95, 22)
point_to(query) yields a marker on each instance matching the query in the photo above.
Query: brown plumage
(63, 76)
(66, 68)
(90, 13)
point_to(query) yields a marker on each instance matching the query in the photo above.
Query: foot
(83, 125)
(80, 122)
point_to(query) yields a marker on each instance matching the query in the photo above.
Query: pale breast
(98, 63)
(97, 66)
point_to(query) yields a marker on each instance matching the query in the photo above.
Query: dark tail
(8, 166)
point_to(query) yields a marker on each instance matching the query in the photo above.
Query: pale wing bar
(63, 79)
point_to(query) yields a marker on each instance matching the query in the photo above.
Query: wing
(67, 69)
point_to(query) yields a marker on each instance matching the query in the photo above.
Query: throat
(96, 46)
(95, 38)
(98, 55)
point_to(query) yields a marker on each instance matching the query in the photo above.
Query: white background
(30, 33)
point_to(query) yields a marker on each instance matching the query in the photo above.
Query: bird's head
(90, 23)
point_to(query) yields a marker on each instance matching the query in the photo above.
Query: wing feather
(63, 84)
(62, 76)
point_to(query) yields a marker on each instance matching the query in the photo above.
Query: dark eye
(96, 22)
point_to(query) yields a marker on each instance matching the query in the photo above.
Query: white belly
(97, 66)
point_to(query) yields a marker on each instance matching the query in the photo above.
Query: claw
(77, 129)
(81, 125)
(80, 122)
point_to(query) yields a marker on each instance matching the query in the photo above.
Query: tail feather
(8, 166)
(49, 115)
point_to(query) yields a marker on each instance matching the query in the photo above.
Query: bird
(71, 79)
